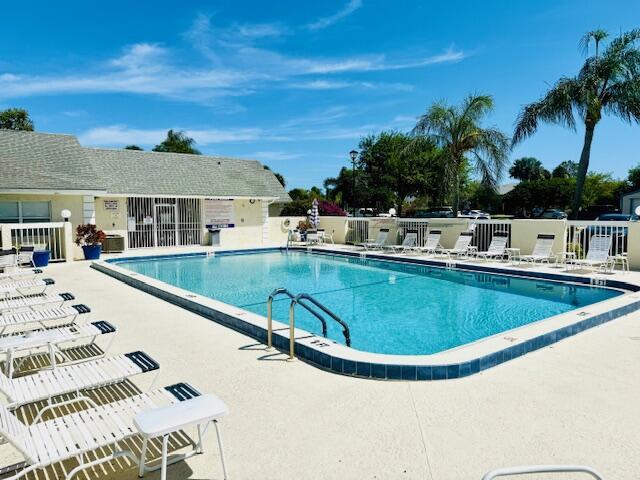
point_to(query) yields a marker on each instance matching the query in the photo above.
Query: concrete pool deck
(572, 402)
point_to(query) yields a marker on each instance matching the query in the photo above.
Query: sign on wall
(218, 213)
(110, 204)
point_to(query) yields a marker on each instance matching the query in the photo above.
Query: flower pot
(41, 258)
(92, 252)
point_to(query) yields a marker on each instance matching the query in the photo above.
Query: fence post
(67, 234)
(633, 245)
(5, 237)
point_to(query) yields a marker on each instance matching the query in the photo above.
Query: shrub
(88, 234)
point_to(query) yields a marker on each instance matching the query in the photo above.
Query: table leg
(165, 445)
(143, 457)
(224, 465)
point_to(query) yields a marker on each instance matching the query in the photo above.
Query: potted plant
(90, 239)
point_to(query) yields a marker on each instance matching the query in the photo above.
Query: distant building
(630, 201)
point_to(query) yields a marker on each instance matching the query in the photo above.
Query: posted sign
(218, 213)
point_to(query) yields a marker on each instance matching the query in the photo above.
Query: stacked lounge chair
(25, 287)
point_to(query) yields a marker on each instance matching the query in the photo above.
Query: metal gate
(163, 222)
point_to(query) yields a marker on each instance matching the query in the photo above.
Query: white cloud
(75, 113)
(273, 156)
(325, 22)
(339, 85)
(116, 135)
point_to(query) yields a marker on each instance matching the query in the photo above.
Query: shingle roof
(30, 160)
(154, 173)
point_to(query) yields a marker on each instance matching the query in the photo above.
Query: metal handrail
(503, 472)
(284, 291)
(307, 297)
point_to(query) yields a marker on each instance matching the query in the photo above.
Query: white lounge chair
(497, 247)
(8, 259)
(432, 245)
(25, 256)
(378, 243)
(25, 287)
(52, 339)
(46, 384)
(71, 436)
(43, 317)
(14, 275)
(542, 251)
(461, 248)
(408, 244)
(598, 254)
(529, 469)
(29, 302)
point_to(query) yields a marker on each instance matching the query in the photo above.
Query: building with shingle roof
(149, 198)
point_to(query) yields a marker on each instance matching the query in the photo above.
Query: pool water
(390, 307)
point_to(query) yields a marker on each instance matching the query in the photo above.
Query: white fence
(483, 231)
(421, 225)
(48, 236)
(357, 230)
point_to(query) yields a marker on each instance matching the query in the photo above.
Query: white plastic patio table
(172, 418)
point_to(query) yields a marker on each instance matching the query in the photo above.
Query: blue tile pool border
(333, 362)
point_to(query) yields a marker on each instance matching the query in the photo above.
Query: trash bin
(41, 258)
(214, 237)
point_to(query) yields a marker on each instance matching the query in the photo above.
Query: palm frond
(555, 107)
(595, 36)
(622, 99)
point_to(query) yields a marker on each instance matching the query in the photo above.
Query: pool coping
(329, 355)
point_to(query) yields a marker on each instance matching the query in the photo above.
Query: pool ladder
(307, 302)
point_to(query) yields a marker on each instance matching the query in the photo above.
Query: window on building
(25, 212)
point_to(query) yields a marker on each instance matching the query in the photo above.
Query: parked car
(475, 214)
(592, 212)
(616, 217)
(553, 214)
(435, 212)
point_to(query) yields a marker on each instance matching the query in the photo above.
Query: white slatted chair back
(498, 244)
(599, 247)
(433, 239)
(410, 239)
(8, 259)
(544, 245)
(464, 240)
(17, 434)
(382, 236)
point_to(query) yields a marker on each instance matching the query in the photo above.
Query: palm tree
(608, 82)
(458, 132)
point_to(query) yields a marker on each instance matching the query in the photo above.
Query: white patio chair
(542, 250)
(25, 287)
(532, 469)
(78, 378)
(25, 256)
(8, 259)
(432, 244)
(43, 317)
(312, 237)
(14, 275)
(53, 339)
(378, 243)
(598, 254)
(497, 247)
(462, 246)
(408, 243)
(32, 302)
(323, 236)
(72, 436)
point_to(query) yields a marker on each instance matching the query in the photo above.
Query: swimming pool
(391, 307)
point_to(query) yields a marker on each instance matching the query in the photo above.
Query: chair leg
(224, 465)
(165, 447)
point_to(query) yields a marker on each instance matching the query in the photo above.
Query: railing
(483, 231)
(530, 469)
(418, 224)
(47, 236)
(301, 300)
(357, 230)
(579, 235)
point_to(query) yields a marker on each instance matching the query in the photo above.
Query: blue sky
(295, 84)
